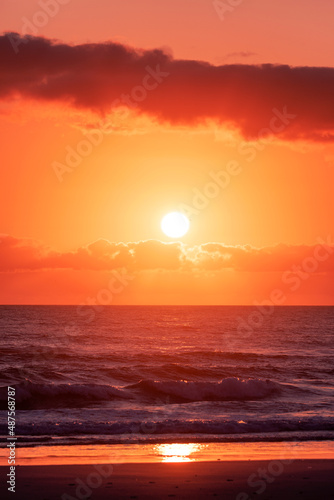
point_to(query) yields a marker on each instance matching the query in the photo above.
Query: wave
(227, 389)
(32, 395)
(226, 429)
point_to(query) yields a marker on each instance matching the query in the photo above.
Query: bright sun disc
(175, 225)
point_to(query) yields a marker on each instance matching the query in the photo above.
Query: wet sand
(236, 480)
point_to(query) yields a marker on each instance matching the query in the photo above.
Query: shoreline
(231, 480)
(194, 451)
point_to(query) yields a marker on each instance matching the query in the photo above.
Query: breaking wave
(30, 395)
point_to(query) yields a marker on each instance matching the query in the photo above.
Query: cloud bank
(100, 76)
(22, 254)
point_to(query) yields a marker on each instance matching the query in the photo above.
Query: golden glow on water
(177, 452)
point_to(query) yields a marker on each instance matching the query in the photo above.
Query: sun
(175, 224)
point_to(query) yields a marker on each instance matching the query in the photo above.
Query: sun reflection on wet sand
(177, 452)
(170, 452)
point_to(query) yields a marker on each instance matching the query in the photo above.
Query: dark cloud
(188, 92)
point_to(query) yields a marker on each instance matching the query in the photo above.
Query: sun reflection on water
(177, 452)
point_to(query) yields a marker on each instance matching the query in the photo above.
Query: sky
(113, 114)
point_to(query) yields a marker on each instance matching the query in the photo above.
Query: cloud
(187, 92)
(22, 255)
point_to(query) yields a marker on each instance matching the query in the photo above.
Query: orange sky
(230, 120)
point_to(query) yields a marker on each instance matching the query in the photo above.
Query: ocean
(155, 374)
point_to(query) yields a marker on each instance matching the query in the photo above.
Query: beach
(302, 479)
(238, 471)
(190, 411)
